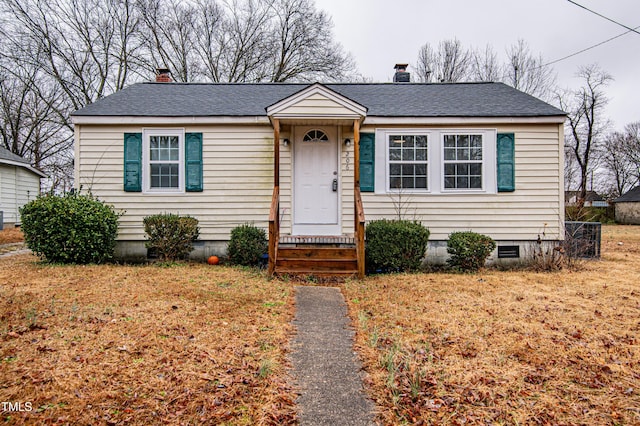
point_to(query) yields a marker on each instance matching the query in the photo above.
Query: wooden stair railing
(274, 229)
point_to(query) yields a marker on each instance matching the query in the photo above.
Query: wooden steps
(318, 261)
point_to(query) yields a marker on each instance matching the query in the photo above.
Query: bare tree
(528, 73)
(621, 160)
(87, 46)
(615, 163)
(585, 122)
(29, 111)
(169, 37)
(449, 63)
(485, 65)
(303, 45)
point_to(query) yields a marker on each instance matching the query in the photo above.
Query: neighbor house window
(463, 160)
(408, 162)
(163, 152)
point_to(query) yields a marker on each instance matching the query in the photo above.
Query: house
(313, 162)
(592, 199)
(627, 207)
(19, 184)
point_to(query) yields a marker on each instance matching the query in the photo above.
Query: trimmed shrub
(247, 245)
(395, 245)
(469, 250)
(72, 228)
(171, 235)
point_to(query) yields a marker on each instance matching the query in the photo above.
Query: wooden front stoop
(322, 257)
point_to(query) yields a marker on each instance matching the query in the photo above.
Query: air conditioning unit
(582, 239)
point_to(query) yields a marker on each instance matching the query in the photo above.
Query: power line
(590, 47)
(602, 16)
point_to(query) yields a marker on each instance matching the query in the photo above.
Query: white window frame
(445, 161)
(146, 161)
(435, 160)
(405, 132)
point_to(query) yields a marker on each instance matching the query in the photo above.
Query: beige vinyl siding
(237, 178)
(18, 186)
(536, 206)
(316, 105)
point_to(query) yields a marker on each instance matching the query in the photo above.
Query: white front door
(316, 184)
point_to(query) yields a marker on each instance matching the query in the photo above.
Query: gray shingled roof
(631, 196)
(8, 156)
(381, 99)
(5, 154)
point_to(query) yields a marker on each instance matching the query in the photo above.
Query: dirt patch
(506, 347)
(143, 344)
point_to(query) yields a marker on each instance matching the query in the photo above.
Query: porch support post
(276, 152)
(356, 154)
(358, 209)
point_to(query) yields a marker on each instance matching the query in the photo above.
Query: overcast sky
(381, 33)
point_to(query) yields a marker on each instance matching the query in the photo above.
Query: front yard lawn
(195, 344)
(506, 347)
(179, 344)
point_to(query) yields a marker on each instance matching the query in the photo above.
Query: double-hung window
(463, 159)
(408, 162)
(163, 160)
(436, 161)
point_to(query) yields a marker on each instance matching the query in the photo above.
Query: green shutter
(133, 162)
(506, 162)
(367, 162)
(193, 162)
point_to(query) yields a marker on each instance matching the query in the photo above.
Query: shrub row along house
(314, 162)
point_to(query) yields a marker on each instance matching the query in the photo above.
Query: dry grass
(179, 344)
(506, 347)
(11, 235)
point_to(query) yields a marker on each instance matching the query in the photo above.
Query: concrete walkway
(327, 371)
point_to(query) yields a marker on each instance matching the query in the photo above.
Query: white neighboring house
(19, 184)
(310, 162)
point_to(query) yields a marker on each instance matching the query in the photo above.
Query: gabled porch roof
(316, 102)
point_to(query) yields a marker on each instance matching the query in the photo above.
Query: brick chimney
(401, 75)
(163, 75)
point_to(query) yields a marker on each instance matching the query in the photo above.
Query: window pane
(164, 175)
(463, 141)
(475, 169)
(407, 169)
(407, 154)
(407, 182)
(449, 154)
(449, 182)
(462, 169)
(396, 141)
(395, 154)
(476, 154)
(394, 183)
(449, 169)
(449, 141)
(394, 169)
(475, 182)
(462, 182)
(463, 154)
(408, 142)
(421, 141)
(421, 154)
(476, 141)
(421, 182)
(175, 150)
(421, 170)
